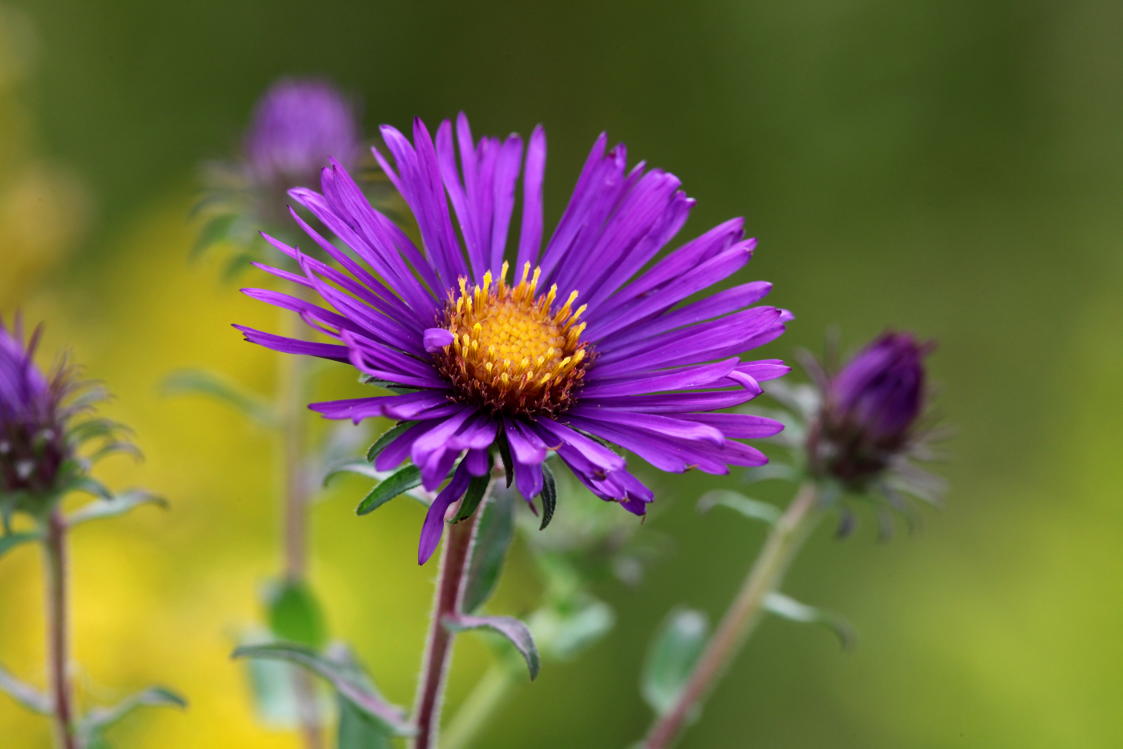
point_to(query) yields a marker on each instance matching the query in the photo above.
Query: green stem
(485, 699)
(55, 569)
(291, 391)
(456, 558)
(781, 546)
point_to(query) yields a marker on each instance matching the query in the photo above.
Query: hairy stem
(449, 594)
(58, 657)
(291, 391)
(764, 577)
(487, 696)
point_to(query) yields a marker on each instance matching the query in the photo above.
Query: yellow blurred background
(954, 168)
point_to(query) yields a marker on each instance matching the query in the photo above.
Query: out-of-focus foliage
(951, 168)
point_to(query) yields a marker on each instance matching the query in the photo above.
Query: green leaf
(792, 610)
(477, 487)
(115, 505)
(90, 486)
(340, 676)
(92, 727)
(515, 631)
(493, 536)
(386, 438)
(359, 467)
(94, 428)
(357, 731)
(214, 231)
(754, 509)
(114, 447)
(549, 496)
(294, 614)
(25, 694)
(565, 631)
(397, 483)
(10, 541)
(200, 382)
(672, 656)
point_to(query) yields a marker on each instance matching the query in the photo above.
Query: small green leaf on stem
(493, 536)
(25, 694)
(115, 505)
(340, 676)
(386, 438)
(10, 541)
(754, 509)
(208, 384)
(92, 727)
(792, 610)
(294, 614)
(514, 630)
(670, 661)
(397, 483)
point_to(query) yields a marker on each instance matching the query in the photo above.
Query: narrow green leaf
(95, 722)
(10, 541)
(549, 496)
(505, 457)
(792, 610)
(25, 694)
(675, 650)
(754, 509)
(341, 678)
(357, 731)
(399, 482)
(91, 486)
(493, 536)
(386, 438)
(115, 505)
(477, 487)
(114, 447)
(94, 428)
(214, 231)
(514, 630)
(210, 385)
(294, 614)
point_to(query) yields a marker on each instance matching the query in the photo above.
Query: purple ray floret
(497, 331)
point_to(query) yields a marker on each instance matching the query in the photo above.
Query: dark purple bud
(869, 409)
(297, 126)
(32, 430)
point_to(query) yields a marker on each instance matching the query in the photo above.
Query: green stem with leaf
(451, 583)
(764, 577)
(58, 655)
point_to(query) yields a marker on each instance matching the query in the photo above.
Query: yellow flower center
(512, 352)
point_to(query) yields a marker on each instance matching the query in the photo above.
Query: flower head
(505, 343)
(33, 442)
(297, 126)
(869, 410)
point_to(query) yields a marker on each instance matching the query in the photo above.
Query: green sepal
(671, 658)
(477, 488)
(549, 496)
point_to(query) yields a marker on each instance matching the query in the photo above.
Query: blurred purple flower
(297, 126)
(484, 357)
(33, 442)
(869, 409)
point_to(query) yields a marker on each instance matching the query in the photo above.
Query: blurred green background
(951, 167)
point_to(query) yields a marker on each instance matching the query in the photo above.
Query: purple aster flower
(533, 344)
(297, 126)
(33, 443)
(870, 409)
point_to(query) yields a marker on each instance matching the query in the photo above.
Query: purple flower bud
(32, 430)
(869, 409)
(297, 126)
